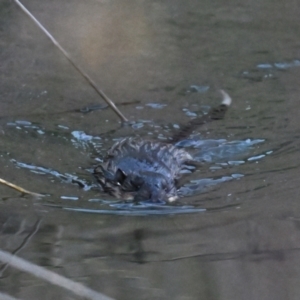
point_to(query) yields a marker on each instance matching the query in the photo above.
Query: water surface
(235, 237)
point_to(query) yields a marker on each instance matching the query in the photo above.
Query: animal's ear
(120, 176)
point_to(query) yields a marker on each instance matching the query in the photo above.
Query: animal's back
(135, 155)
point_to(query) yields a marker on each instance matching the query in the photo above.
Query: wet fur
(137, 166)
(148, 170)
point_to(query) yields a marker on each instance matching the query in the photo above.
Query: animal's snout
(152, 193)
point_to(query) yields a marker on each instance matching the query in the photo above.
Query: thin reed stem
(65, 53)
(19, 189)
(56, 279)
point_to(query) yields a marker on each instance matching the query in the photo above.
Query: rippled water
(215, 156)
(234, 233)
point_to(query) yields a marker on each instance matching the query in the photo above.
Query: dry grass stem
(6, 297)
(20, 189)
(42, 273)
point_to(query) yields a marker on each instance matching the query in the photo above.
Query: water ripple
(67, 178)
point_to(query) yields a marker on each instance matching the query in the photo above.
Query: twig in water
(23, 244)
(20, 189)
(75, 287)
(6, 297)
(65, 53)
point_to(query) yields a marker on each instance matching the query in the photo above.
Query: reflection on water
(139, 210)
(264, 71)
(195, 187)
(280, 65)
(235, 232)
(67, 178)
(219, 150)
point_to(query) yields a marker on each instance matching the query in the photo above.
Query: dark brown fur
(148, 170)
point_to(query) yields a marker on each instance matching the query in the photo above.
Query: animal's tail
(215, 113)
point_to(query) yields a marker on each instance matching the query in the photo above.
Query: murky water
(234, 234)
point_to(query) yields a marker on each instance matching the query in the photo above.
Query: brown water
(243, 239)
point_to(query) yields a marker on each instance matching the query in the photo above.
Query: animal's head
(142, 186)
(154, 187)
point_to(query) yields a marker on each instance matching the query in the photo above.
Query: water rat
(145, 170)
